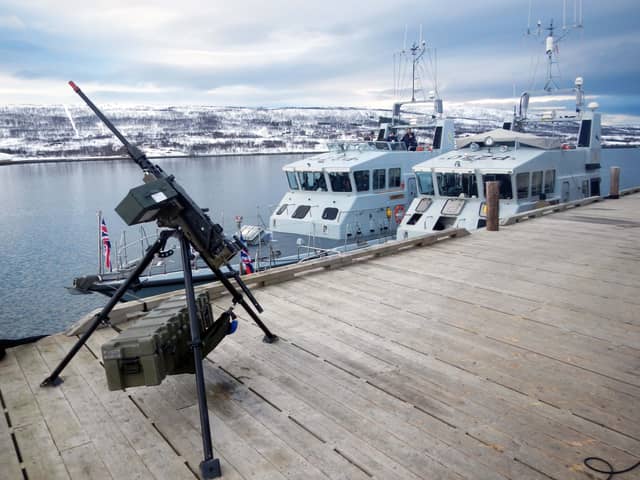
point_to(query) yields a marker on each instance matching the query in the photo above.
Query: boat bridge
(497, 355)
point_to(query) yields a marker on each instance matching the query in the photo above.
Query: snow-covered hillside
(71, 132)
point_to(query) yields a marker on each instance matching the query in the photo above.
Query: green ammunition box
(143, 203)
(135, 357)
(158, 344)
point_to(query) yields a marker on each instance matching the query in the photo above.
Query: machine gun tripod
(162, 199)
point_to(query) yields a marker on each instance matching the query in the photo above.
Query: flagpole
(100, 271)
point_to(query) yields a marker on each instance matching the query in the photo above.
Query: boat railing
(363, 146)
(128, 253)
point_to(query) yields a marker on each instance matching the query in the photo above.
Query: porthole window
(301, 211)
(330, 213)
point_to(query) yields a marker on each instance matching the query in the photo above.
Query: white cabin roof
(335, 161)
(354, 158)
(499, 135)
(493, 160)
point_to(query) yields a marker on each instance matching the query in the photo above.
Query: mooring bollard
(614, 189)
(493, 206)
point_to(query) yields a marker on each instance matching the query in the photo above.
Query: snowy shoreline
(35, 160)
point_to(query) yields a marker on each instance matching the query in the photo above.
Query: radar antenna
(552, 40)
(423, 60)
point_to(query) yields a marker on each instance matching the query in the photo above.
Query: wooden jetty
(499, 355)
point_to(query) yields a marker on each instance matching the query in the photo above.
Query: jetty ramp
(498, 355)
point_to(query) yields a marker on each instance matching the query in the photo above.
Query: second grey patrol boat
(533, 170)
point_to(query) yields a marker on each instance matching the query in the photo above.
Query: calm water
(48, 225)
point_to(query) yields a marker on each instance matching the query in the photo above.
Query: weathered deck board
(508, 355)
(156, 455)
(9, 462)
(379, 350)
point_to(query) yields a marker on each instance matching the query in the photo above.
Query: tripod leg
(54, 378)
(237, 298)
(244, 288)
(209, 467)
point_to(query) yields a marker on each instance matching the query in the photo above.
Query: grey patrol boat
(533, 170)
(360, 190)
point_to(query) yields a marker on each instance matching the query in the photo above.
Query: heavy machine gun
(163, 200)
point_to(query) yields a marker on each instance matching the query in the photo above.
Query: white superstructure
(357, 189)
(533, 171)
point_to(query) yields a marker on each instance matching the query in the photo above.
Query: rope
(611, 471)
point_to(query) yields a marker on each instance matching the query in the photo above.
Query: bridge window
(536, 183)
(312, 181)
(394, 177)
(340, 182)
(301, 211)
(522, 184)
(414, 219)
(505, 192)
(293, 181)
(425, 183)
(456, 184)
(549, 181)
(362, 180)
(379, 179)
(585, 133)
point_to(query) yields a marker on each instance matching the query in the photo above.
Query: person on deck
(392, 136)
(409, 140)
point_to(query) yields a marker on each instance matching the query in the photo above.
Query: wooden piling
(493, 206)
(614, 189)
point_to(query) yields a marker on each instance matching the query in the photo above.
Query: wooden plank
(19, 401)
(40, 456)
(289, 429)
(529, 289)
(9, 463)
(247, 438)
(84, 462)
(99, 426)
(399, 416)
(176, 428)
(493, 321)
(406, 381)
(145, 442)
(314, 321)
(60, 418)
(450, 313)
(391, 440)
(344, 442)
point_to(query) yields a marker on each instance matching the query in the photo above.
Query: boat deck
(499, 355)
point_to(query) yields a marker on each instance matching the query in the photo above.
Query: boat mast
(417, 51)
(552, 41)
(551, 50)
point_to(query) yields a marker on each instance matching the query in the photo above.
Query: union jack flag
(106, 244)
(245, 258)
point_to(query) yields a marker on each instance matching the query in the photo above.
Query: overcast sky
(311, 53)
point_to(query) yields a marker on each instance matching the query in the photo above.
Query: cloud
(11, 22)
(33, 91)
(322, 53)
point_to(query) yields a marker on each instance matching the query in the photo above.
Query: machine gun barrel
(133, 151)
(165, 201)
